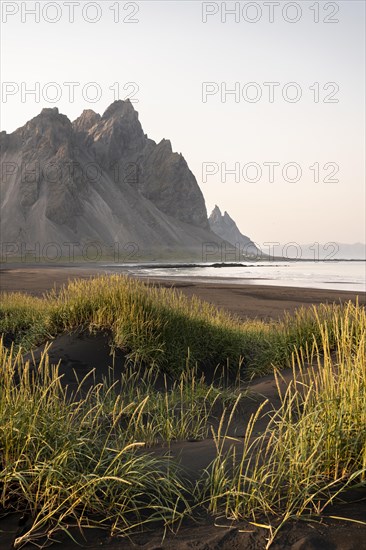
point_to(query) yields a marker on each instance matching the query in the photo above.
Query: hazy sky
(169, 53)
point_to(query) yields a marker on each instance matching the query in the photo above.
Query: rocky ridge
(100, 179)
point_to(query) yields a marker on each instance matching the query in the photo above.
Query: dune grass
(87, 459)
(73, 460)
(314, 446)
(161, 326)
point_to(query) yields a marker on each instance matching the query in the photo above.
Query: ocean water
(340, 275)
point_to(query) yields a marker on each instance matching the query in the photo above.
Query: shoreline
(79, 352)
(247, 300)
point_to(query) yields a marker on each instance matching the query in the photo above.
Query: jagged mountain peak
(50, 111)
(115, 112)
(86, 120)
(50, 116)
(43, 135)
(49, 122)
(118, 109)
(215, 214)
(165, 145)
(228, 219)
(225, 227)
(217, 217)
(99, 178)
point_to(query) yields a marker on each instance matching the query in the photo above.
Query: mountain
(225, 227)
(355, 251)
(334, 251)
(98, 179)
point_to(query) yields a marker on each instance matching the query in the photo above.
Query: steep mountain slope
(99, 179)
(117, 143)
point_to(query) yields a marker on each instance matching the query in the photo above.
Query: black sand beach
(244, 300)
(82, 353)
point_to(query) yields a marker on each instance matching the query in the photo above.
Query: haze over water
(346, 275)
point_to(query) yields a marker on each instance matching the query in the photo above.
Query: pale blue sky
(170, 52)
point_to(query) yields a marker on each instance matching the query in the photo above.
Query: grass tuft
(314, 447)
(162, 327)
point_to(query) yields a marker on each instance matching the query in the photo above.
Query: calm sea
(340, 275)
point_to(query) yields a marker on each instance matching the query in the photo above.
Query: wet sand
(244, 300)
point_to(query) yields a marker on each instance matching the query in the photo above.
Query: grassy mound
(87, 461)
(161, 326)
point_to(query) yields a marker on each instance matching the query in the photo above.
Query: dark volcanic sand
(245, 300)
(81, 352)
